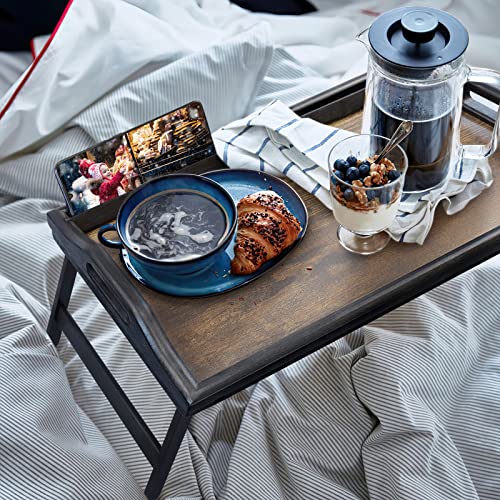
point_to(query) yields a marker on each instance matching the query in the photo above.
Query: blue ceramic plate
(239, 183)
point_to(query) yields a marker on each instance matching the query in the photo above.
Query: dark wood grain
(213, 334)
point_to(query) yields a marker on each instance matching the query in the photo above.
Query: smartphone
(117, 166)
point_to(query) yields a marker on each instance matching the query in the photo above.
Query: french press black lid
(418, 37)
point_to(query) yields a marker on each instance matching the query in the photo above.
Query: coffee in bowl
(177, 225)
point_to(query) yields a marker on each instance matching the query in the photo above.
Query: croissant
(265, 228)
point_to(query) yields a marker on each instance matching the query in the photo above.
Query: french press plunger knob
(419, 26)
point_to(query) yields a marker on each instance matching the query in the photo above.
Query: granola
(360, 178)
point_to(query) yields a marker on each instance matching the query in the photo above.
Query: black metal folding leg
(61, 299)
(161, 458)
(110, 387)
(168, 452)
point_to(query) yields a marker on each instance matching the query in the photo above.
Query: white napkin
(276, 140)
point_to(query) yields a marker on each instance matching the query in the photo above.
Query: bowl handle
(104, 240)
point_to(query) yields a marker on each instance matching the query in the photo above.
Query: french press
(416, 71)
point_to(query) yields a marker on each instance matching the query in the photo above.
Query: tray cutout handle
(118, 308)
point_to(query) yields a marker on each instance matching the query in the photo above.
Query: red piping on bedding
(36, 61)
(32, 48)
(369, 12)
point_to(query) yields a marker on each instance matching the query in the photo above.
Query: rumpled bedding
(404, 408)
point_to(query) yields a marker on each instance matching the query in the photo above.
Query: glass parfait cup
(365, 208)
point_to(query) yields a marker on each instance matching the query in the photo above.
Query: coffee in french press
(417, 71)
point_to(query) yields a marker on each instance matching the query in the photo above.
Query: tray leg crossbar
(168, 451)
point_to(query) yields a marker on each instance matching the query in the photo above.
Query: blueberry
(341, 165)
(364, 169)
(370, 193)
(352, 160)
(392, 175)
(352, 174)
(349, 194)
(339, 175)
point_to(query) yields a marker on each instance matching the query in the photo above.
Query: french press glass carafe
(416, 71)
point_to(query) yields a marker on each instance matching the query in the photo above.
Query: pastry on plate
(265, 228)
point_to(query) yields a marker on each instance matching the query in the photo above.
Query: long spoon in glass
(401, 133)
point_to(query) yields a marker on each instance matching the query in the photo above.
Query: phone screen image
(166, 143)
(98, 174)
(121, 164)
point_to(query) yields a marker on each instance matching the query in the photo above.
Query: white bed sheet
(403, 408)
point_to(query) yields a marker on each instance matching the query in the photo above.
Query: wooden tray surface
(291, 305)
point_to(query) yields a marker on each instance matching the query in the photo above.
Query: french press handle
(480, 151)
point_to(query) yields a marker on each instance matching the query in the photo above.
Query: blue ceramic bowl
(158, 269)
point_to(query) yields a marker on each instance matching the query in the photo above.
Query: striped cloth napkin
(276, 140)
